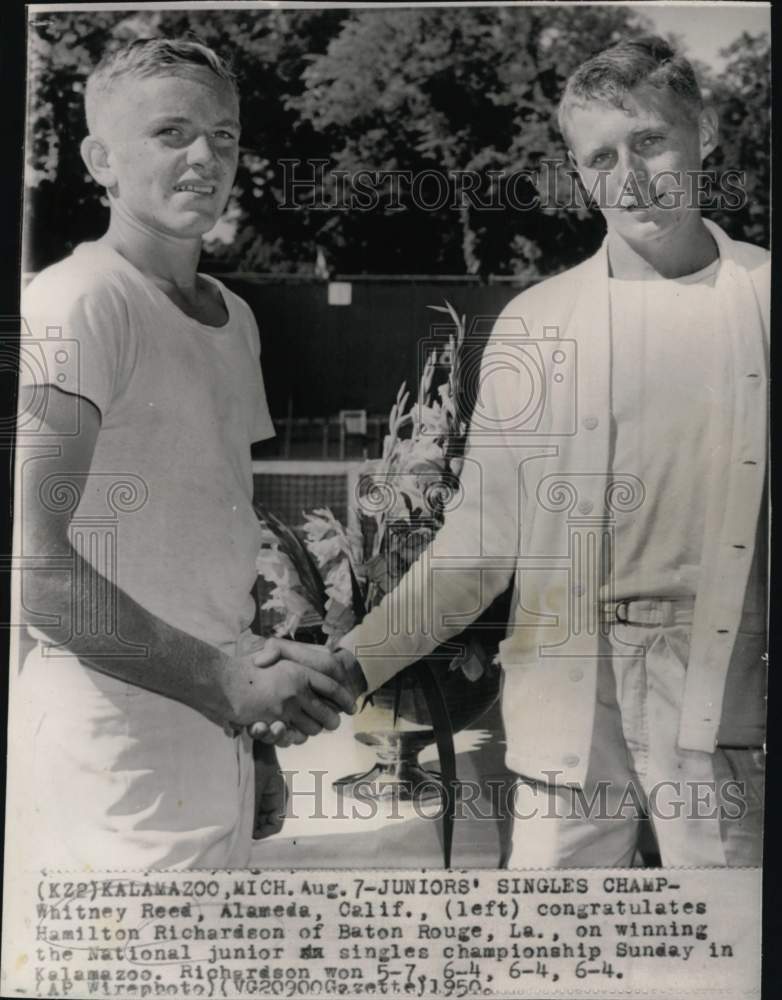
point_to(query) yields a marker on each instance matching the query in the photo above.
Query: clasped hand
(301, 688)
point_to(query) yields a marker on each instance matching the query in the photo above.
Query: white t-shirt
(663, 385)
(165, 512)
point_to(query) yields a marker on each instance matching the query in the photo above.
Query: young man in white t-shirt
(631, 518)
(140, 396)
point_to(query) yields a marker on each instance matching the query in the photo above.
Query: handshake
(283, 691)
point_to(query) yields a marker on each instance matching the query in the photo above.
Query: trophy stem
(396, 773)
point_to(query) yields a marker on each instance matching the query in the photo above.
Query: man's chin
(192, 225)
(642, 224)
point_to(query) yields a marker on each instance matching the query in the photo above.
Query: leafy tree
(63, 205)
(742, 97)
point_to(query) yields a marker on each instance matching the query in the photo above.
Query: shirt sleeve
(472, 557)
(73, 337)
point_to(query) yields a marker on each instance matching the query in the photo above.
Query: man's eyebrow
(659, 126)
(184, 120)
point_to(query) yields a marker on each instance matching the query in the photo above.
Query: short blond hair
(611, 74)
(147, 57)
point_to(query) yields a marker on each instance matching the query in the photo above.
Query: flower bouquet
(323, 578)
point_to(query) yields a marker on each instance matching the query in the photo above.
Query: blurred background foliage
(409, 89)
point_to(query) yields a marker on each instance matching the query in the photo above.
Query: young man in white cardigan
(629, 515)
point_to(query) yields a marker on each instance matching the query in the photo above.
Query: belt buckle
(622, 604)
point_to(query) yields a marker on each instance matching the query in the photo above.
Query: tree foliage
(422, 91)
(742, 96)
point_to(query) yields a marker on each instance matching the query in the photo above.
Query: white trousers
(706, 809)
(117, 777)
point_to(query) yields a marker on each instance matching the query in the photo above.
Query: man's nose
(200, 152)
(630, 162)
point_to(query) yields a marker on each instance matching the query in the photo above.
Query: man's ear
(708, 131)
(95, 154)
